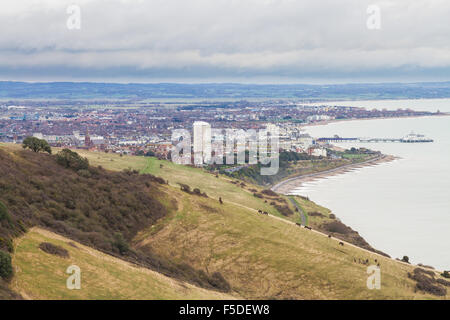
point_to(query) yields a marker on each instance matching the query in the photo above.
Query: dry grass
(40, 275)
(262, 257)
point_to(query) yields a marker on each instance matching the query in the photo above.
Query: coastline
(325, 122)
(286, 186)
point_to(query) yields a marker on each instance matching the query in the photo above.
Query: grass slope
(263, 257)
(259, 256)
(41, 275)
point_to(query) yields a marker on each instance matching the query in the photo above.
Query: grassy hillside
(231, 191)
(263, 257)
(41, 275)
(196, 239)
(99, 208)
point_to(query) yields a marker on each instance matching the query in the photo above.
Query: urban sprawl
(147, 129)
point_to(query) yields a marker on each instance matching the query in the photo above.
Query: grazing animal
(329, 236)
(376, 260)
(220, 200)
(367, 261)
(299, 224)
(266, 213)
(354, 260)
(341, 243)
(309, 228)
(260, 211)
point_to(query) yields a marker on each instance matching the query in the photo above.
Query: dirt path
(300, 209)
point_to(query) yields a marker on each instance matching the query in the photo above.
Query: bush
(219, 282)
(6, 269)
(446, 274)
(4, 215)
(270, 193)
(337, 227)
(284, 210)
(426, 282)
(71, 159)
(315, 214)
(120, 244)
(405, 259)
(53, 249)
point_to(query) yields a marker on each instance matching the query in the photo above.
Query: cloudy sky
(270, 41)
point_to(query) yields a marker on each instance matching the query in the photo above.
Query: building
(202, 142)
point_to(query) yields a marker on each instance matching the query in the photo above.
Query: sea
(401, 207)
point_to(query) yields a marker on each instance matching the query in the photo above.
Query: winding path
(300, 209)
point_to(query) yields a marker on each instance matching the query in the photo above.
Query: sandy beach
(286, 186)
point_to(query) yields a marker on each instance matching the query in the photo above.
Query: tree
(36, 145)
(6, 269)
(71, 159)
(405, 259)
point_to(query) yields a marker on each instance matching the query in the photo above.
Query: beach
(286, 186)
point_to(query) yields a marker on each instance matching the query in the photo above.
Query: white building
(202, 142)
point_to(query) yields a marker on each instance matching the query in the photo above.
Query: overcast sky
(271, 41)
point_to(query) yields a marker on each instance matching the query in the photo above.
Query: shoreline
(285, 187)
(325, 122)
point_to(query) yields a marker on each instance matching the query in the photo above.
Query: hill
(231, 91)
(99, 208)
(189, 236)
(262, 256)
(42, 275)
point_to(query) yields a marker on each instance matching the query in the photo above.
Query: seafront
(288, 185)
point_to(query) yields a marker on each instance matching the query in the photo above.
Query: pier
(410, 138)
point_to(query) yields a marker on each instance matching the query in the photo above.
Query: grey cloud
(229, 38)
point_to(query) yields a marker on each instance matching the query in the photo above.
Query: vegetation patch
(426, 282)
(6, 270)
(54, 249)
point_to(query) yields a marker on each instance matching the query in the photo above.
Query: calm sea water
(401, 207)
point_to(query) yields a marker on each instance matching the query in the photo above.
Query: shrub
(426, 282)
(72, 160)
(446, 274)
(6, 269)
(185, 187)
(405, 259)
(284, 210)
(269, 192)
(53, 249)
(337, 227)
(219, 282)
(315, 214)
(4, 215)
(120, 244)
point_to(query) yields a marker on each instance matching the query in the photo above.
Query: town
(146, 129)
